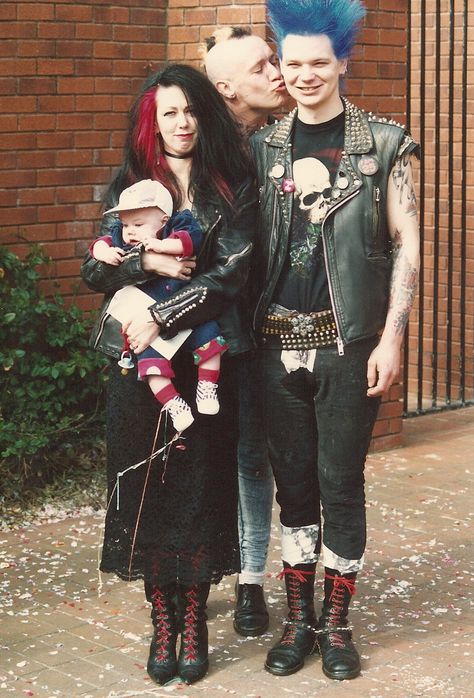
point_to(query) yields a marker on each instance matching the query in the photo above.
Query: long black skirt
(174, 517)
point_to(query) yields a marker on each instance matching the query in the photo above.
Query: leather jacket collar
(358, 137)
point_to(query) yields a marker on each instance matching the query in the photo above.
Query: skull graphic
(313, 187)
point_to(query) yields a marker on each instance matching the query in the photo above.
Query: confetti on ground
(412, 614)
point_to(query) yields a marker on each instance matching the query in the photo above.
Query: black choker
(178, 157)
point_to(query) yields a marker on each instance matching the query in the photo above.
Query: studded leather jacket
(356, 244)
(213, 293)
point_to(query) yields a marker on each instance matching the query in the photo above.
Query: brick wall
(68, 70)
(68, 74)
(192, 21)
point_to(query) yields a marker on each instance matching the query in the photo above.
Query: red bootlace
(297, 577)
(190, 625)
(163, 628)
(336, 610)
(299, 574)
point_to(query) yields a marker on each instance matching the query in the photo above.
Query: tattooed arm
(384, 363)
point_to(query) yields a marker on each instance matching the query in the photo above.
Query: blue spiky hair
(338, 19)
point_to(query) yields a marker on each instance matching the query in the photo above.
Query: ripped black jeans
(319, 422)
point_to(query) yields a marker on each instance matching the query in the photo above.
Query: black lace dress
(174, 518)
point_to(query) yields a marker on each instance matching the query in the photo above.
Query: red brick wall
(68, 75)
(192, 21)
(377, 71)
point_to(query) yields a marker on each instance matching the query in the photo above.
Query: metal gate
(438, 355)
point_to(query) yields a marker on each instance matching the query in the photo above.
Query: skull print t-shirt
(316, 154)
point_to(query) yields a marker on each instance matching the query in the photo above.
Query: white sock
(247, 577)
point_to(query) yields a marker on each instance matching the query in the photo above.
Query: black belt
(300, 331)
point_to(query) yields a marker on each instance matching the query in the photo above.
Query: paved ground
(58, 637)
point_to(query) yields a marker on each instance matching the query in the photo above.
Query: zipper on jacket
(375, 212)
(272, 235)
(339, 342)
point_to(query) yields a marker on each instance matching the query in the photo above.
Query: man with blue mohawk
(338, 259)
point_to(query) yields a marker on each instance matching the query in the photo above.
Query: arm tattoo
(403, 182)
(402, 286)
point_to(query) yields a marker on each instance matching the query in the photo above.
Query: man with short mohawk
(338, 258)
(245, 70)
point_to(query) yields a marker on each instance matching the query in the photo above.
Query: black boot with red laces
(299, 637)
(340, 657)
(193, 661)
(162, 664)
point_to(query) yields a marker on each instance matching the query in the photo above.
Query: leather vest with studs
(357, 247)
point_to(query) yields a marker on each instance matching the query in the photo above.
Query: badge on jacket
(368, 165)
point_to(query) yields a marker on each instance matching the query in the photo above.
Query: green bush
(50, 381)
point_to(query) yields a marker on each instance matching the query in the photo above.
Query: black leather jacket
(357, 249)
(213, 293)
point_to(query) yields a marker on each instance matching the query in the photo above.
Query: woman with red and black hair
(172, 521)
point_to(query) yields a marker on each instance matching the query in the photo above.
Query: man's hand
(383, 367)
(141, 331)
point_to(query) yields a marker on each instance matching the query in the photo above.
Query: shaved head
(245, 70)
(229, 56)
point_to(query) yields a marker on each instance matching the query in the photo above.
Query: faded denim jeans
(255, 474)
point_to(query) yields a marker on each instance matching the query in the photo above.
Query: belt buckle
(302, 324)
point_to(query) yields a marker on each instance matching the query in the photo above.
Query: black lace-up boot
(162, 664)
(193, 661)
(340, 657)
(299, 637)
(251, 614)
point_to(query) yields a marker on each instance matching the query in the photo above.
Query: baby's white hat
(144, 194)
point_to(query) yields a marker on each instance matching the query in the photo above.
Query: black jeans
(319, 423)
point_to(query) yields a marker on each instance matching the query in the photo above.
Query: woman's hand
(141, 331)
(168, 265)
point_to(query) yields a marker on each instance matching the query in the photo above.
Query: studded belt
(300, 331)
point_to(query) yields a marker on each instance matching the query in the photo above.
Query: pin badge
(368, 165)
(342, 182)
(277, 171)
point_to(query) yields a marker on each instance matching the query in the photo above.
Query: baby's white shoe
(206, 398)
(180, 413)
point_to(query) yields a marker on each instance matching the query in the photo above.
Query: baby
(145, 219)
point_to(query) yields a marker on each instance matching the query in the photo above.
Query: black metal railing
(438, 354)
